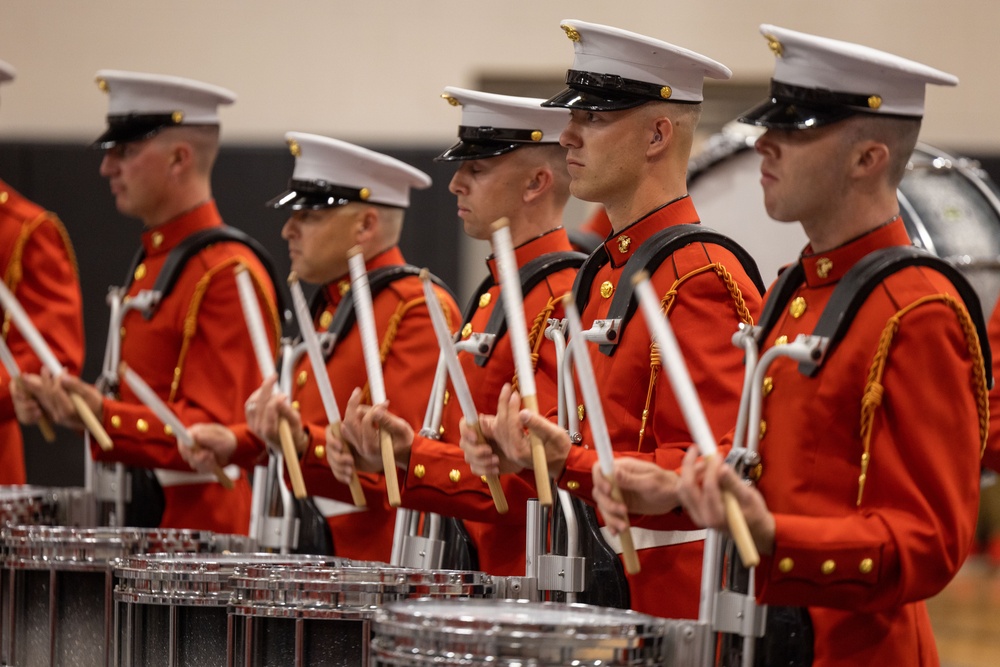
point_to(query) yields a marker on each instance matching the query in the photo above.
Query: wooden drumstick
(598, 426)
(458, 380)
(265, 361)
(694, 414)
(163, 412)
(517, 332)
(363, 309)
(320, 373)
(48, 359)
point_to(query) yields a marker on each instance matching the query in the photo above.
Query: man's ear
(540, 181)
(661, 135)
(366, 223)
(871, 157)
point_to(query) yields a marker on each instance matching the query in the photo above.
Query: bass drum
(949, 205)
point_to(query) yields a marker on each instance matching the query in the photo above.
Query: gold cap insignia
(776, 48)
(874, 102)
(364, 193)
(450, 100)
(571, 32)
(102, 84)
(536, 135)
(157, 239)
(294, 148)
(177, 117)
(823, 266)
(666, 92)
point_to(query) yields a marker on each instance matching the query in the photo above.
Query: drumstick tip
(425, 274)
(354, 250)
(640, 276)
(293, 278)
(500, 224)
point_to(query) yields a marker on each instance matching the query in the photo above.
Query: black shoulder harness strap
(378, 279)
(858, 283)
(532, 273)
(195, 243)
(653, 252)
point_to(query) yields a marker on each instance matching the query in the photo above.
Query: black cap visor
(594, 100)
(786, 115)
(476, 150)
(133, 127)
(313, 195)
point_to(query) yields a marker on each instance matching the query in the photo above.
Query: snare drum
(22, 505)
(949, 205)
(60, 581)
(171, 609)
(322, 615)
(541, 634)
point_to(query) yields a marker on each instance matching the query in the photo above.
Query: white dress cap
(495, 124)
(617, 69)
(140, 105)
(7, 72)
(818, 80)
(329, 172)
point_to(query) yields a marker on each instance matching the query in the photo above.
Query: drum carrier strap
(378, 279)
(855, 287)
(191, 246)
(653, 252)
(532, 273)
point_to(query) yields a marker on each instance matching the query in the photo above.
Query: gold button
(755, 472)
(823, 266)
(624, 243)
(419, 470)
(121, 332)
(3, 197)
(116, 421)
(441, 430)
(177, 371)
(536, 135)
(763, 428)
(319, 451)
(467, 330)
(325, 319)
(447, 395)
(142, 425)
(874, 101)
(483, 478)
(828, 567)
(301, 378)
(581, 412)
(140, 272)
(607, 289)
(454, 476)
(167, 430)
(343, 287)
(157, 239)
(573, 485)
(786, 565)
(797, 307)
(295, 405)
(781, 340)
(767, 386)
(865, 566)
(484, 300)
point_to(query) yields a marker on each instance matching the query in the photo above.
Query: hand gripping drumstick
(48, 359)
(163, 412)
(694, 415)
(363, 309)
(311, 341)
(458, 380)
(517, 332)
(10, 363)
(598, 427)
(265, 362)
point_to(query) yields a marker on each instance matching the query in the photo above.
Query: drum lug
(739, 614)
(422, 552)
(561, 573)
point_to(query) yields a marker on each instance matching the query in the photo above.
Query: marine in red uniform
(342, 196)
(39, 267)
(867, 501)
(634, 103)
(194, 351)
(510, 165)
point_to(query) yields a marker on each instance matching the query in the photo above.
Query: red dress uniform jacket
(713, 296)
(991, 456)
(862, 555)
(438, 479)
(39, 267)
(196, 354)
(406, 337)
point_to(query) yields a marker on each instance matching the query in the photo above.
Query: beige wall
(371, 71)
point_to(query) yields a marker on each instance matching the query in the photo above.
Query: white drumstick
(14, 371)
(148, 397)
(320, 373)
(517, 332)
(598, 427)
(363, 309)
(458, 379)
(694, 414)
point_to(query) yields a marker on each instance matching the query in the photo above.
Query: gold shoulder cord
(874, 390)
(536, 336)
(666, 303)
